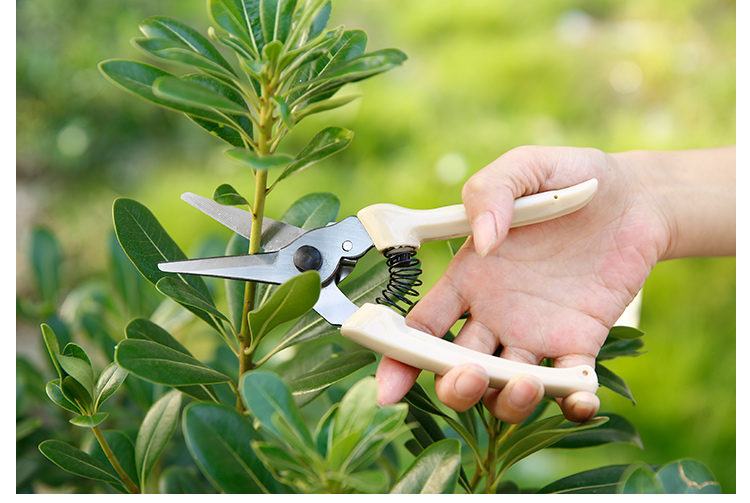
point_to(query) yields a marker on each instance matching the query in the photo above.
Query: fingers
(581, 405)
(394, 380)
(517, 400)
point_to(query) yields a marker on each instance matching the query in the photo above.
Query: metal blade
(333, 305)
(260, 267)
(274, 236)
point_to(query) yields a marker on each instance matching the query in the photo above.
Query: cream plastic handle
(383, 330)
(390, 225)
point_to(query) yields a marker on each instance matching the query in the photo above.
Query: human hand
(552, 290)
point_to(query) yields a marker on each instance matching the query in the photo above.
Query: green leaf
(141, 328)
(54, 392)
(284, 111)
(435, 471)
(535, 437)
(602, 480)
(610, 380)
(53, 347)
(240, 18)
(179, 480)
(255, 161)
(290, 300)
(46, 258)
(322, 106)
(75, 362)
(218, 438)
(155, 431)
(640, 479)
(76, 394)
(621, 332)
(615, 348)
(109, 381)
(331, 372)
(76, 461)
(195, 95)
(266, 396)
(229, 196)
(326, 143)
(312, 211)
(178, 32)
(687, 476)
(161, 364)
(235, 289)
(238, 127)
(89, 421)
(189, 297)
(276, 19)
(617, 429)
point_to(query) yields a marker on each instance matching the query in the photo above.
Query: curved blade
(261, 267)
(274, 235)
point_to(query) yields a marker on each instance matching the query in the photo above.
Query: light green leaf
(219, 439)
(227, 195)
(435, 471)
(109, 381)
(178, 32)
(276, 19)
(326, 143)
(155, 431)
(195, 95)
(266, 396)
(179, 480)
(240, 18)
(89, 421)
(322, 106)
(640, 479)
(255, 161)
(284, 111)
(687, 476)
(76, 461)
(331, 372)
(312, 211)
(161, 364)
(290, 300)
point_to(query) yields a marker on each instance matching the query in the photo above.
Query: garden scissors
(334, 250)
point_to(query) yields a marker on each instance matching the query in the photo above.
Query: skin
(554, 289)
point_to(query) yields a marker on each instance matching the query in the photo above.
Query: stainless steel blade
(260, 267)
(274, 236)
(333, 305)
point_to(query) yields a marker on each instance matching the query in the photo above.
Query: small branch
(129, 484)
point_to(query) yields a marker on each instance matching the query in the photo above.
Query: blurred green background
(482, 77)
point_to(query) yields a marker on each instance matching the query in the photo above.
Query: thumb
(579, 406)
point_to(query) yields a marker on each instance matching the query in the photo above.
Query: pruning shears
(396, 232)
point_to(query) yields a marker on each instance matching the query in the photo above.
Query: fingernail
(471, 382)
(484, 229)
(584, 409)
(523, 391)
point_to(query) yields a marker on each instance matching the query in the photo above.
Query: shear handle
(390, 225)
(382, 330)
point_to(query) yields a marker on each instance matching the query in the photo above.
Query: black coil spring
(404, 272)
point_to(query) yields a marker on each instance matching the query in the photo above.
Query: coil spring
(404, 272)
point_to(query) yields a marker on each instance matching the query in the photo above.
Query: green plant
(270, 429)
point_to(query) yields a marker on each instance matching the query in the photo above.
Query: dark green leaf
(189, 297)
(687, 476)
(312, 211)
(194, 95)
(178, 32)
(240, 124)
(235, 289)
(180, 480)
(144, 329)
(435, 471)
(109, 381)
(597, 481)
(89, 421)
(219, 439)
(76, 461)
(53, 347)
(266, 396)
(240, 18)
(610, 380)
(54, 392)
(621, 332)
(617, 429)
(76, 394)
(326, 143)
(227, 195)
(640, 479)
(290, 300)
(161, 364)
(46, 257)
(331, 372)
(615, 348)
(276, 19)
(155, 431)
(75, 362)
(255, 161)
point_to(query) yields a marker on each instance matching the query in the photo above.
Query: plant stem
(129, 484)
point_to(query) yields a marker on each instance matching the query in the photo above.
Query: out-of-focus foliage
(482, 77)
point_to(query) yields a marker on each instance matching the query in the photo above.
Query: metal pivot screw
(347, 245)
(307, 258)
